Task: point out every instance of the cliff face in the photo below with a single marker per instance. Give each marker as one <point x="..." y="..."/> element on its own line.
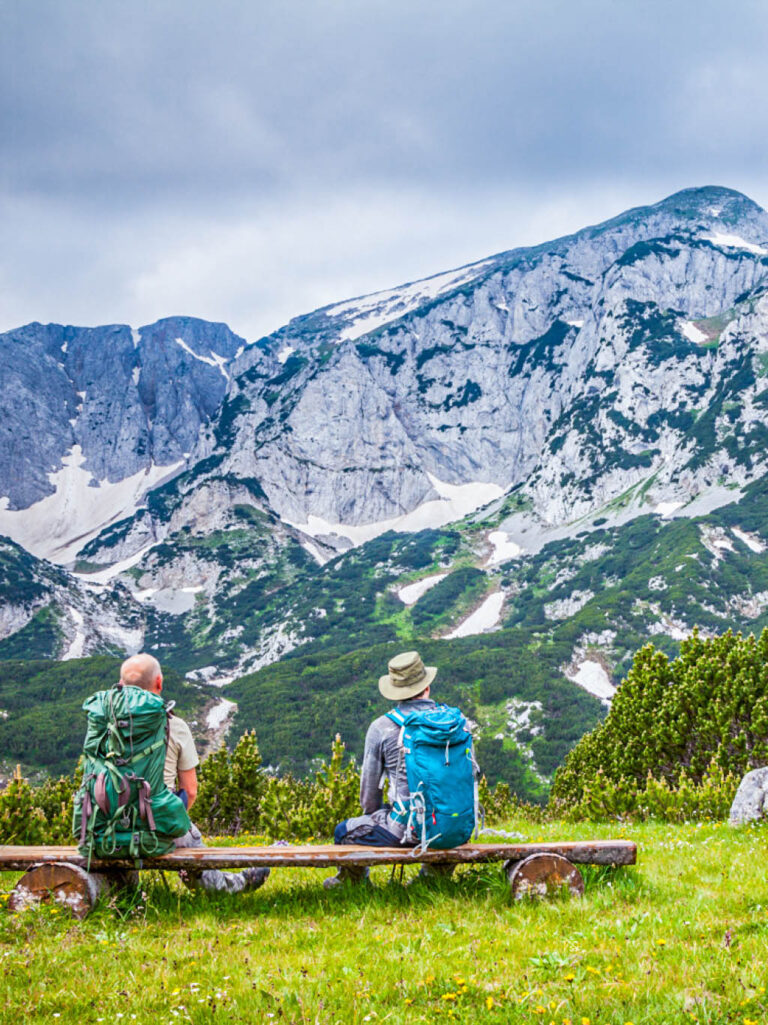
<point x="108" y="410"/>
<point x="574" y="369"/>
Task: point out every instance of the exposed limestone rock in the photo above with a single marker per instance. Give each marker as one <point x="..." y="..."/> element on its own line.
<point x="751" y="801"/>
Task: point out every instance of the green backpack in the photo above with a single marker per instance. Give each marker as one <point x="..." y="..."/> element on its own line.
<point x="123" y="808"/>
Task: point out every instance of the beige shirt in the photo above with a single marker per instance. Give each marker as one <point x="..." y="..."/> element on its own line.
<point x="181" y="753"/>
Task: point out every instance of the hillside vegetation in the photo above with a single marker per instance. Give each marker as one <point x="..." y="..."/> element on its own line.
<point x="42" y="724"/>
<point x="698" y="722"/>
<point x="297" y="705"/>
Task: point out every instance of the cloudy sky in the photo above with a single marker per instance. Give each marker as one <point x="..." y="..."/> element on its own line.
<point x="247" y="161"/>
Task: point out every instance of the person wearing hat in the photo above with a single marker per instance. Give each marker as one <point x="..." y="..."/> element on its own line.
<point x="408" y="683"/>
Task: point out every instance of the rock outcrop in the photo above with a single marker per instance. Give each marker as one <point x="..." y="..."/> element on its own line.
<point x="751" y="801"/>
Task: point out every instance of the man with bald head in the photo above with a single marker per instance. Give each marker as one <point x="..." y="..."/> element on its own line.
<point x="180" y="774"/>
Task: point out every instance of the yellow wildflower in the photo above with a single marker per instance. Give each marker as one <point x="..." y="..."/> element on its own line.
<point x="489" y="1002"/>
<point x="585" y="1021"/>
<point x="449" y="996"/>
<point x="570" y="977"/>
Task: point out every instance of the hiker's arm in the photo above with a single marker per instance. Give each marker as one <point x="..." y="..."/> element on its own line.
<point x="370" y="772"/>
<point x="188" y="782"/>
<point x="183" y="752"/>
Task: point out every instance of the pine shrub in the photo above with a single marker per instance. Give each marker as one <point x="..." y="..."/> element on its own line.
<point x="231" y="787"/>
<point x="679" y="736"/>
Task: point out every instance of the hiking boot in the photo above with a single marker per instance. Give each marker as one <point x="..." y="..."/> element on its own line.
<point x="254" y="877"/>
<point x="351" y="876"/>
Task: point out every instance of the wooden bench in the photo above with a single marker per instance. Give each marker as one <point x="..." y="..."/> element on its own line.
<point x="533" y="869"/>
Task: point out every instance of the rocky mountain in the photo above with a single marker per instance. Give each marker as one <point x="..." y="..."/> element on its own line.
<point x="91" y="418"/>
<point x="570" y="370"/>
<point x="564" y="441"/>
<point x="46" y="612"/>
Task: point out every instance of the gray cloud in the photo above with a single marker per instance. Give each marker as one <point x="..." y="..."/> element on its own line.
<point x="249" y="161"/>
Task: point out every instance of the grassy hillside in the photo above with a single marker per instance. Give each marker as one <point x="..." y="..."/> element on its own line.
<point x="681" y="938"/>
<point x="601" y="594"/>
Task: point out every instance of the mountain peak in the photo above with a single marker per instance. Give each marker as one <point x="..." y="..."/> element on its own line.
<point x="708" y="201"/>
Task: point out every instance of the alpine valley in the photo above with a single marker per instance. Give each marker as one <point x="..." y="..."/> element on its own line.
<point x="527" y="467"/>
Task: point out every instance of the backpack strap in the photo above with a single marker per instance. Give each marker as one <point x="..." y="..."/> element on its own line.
<point x="169" y="707"/>
<point x="396" y="716"/>
<point x="401" y="810"/>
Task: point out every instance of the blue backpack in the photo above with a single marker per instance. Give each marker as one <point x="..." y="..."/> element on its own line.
<point x="440" y="767"/>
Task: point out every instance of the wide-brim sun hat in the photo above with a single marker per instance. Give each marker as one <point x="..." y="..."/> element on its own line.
<point x="407" y="677"/>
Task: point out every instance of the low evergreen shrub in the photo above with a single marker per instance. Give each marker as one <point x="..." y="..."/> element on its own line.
<point x="679" y="736"/>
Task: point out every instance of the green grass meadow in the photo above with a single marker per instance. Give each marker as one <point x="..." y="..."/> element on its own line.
<point x="681" y="937"/>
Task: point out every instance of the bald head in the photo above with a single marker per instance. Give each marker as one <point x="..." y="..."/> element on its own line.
<point x="142" y="671"/>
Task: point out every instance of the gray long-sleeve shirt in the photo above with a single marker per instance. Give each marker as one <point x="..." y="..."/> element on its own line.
<point x="382" y="759"/>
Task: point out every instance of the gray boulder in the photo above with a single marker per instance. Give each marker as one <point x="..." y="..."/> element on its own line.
<point x="751" y="801"/>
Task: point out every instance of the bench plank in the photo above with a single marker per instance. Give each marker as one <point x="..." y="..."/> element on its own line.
<point x="595" y="852"/>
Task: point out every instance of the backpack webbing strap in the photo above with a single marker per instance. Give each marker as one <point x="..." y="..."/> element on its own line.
<point x="136" y="755"/>
<point x="145" y="804"/>
<point x="86" y="813"/>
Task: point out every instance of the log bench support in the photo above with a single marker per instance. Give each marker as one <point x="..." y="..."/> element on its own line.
<point x="70" y="886"/>
<point x="544" y="875"/>
<point x="533" y="870"/>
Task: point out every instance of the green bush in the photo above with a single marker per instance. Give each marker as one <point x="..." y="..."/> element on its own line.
<point x="22" y="821"/>
<point x="231" y="787"/>
<point x="679" y="736"/>
<point x="300" y="809"/>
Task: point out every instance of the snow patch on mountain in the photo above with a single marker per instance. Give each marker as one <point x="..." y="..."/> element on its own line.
<point x="77" y="646"/>
<point x="219" y="713"/>
<point x="715" y="540"/>
<point x="47" y="528"/>
<point x="722" y="239"/>
<point x="752" y="541"/>
<point x="372" y="311"/>
<point x="315" y="552"/>
<point x="455" y="502"/>
<point x="483" y="619"/>
<point x="214" y="360"/>
<point x="590" y="674"/>
<point x="411" y="593"/>
<point x="103" y="576"/>
<point x="667" y="509"/>
<point x="693" y="334"/>
<point x="504" y="548"/>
